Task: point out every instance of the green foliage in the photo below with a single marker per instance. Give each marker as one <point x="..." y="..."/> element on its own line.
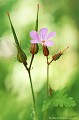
<point x="60" y="98"/>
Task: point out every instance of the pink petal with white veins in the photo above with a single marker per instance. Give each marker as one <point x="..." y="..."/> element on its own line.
<point x="35" y="41"/>
<point x="43" y="33"/>
<point x="51" y="34"/>
<point x="49" y="43"/>
<point x="34" y="35"/>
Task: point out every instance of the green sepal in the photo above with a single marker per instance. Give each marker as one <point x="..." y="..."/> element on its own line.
<point x="21" y="56"/>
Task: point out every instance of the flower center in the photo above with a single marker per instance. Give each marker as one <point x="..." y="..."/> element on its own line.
<point x="43" y="41"/>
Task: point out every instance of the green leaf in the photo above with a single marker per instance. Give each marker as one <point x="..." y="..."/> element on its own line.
<point x="59" y="99"/>
<point x="63" y="100"/>
<point x="36" y="26"/>
<point x="13" y="31"/>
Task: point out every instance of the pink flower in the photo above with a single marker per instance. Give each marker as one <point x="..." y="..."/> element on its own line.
<point x="42" y="37"/>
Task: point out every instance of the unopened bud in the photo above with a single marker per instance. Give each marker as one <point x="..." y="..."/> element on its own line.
<point x="56" y="56"/>
<point x="21" y="56"/>
<point x="45" y="51"/>
<point x="34" y="48"/>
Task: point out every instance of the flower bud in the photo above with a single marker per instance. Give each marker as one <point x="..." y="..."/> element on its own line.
<point x="21" y="56"/>
<point x="45" y="50"/>
<point x="56" y="56"/>
<point x="34" y="48"/>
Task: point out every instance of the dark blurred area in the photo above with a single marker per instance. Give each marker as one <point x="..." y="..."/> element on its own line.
<point x="61" y="16"/>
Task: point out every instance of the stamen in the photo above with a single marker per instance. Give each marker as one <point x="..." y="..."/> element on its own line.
<point x="43" y="41"/>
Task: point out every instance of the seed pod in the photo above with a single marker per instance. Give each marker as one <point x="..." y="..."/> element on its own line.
<point x="21" y="56"/>
<point x="34" y="48"/>
<point x="45" y="50"/>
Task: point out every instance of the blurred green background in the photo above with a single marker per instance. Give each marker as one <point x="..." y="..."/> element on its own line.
<point x="61" y="16"/>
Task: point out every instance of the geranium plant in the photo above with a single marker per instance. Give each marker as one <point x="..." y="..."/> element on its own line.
<point x="57" y="98"/>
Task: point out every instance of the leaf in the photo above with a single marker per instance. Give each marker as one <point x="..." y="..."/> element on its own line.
<point x="13" y="31"/>
<point x="36" y="26"/>
<point x="70" y="102"/>
<point x="59" y="99"/>
<point x="63" y="100"/>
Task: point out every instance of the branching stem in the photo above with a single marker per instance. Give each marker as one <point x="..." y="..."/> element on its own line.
<point x="33" y="96"/>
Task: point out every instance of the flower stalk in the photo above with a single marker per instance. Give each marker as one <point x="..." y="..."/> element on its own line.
<point x="34" y="103"/>
<point x="33" y="50"/>
<point x="54" y="58"/>
<point x="47" y="77"/>
<point x="33" y="96"/>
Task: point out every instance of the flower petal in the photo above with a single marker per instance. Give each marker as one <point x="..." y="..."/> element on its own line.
<point x="35" y="41"/>
<point x="51" y="34"/>
<point x="34" y="35"/>
<point x="49" y="43"/>
<point x="43" y="33"/>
